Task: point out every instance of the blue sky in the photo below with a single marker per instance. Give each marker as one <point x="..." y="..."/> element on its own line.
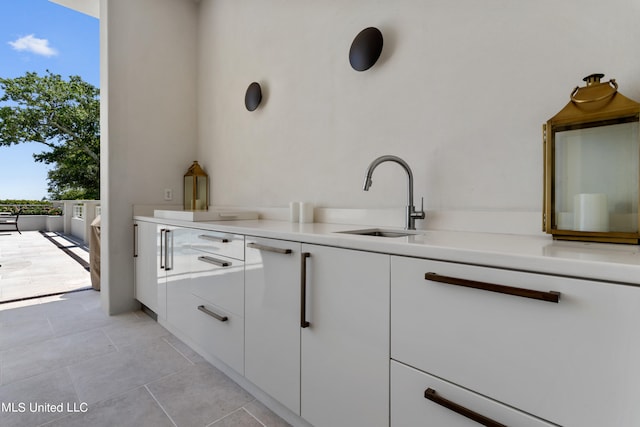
<point x="38" y="35"/>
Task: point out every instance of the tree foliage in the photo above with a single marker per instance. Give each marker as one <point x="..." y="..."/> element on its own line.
<point x="63" y="115"/>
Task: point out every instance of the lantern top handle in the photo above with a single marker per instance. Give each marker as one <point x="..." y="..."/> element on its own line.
<point x="594" y="80"/>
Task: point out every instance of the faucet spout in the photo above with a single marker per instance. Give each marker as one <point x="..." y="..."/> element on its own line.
<point x="412" y="214"/>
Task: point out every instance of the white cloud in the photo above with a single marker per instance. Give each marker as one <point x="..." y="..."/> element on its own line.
<point x="34" y="45"/>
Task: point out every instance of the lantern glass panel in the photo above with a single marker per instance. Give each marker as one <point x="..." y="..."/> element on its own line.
<point x="596" y="176"/>
<point x="201" y="193"/>
<point x="188" y="193"/>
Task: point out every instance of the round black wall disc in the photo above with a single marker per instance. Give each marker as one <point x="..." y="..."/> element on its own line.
<point x="253" y="96"/>
<point x="365" y="49"/>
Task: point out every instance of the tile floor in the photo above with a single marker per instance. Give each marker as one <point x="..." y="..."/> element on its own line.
<point x="32" y="265"/>
<point x="63" y="353"/>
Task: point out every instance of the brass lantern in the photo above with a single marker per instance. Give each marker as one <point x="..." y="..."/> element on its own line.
<point x="196" y="189"/>
<point x="591" y="173"/>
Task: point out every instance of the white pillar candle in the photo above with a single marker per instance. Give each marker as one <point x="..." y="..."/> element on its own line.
<point x="590" y="212"/>
<point x="294" y="211"/>
<point x="306" y="212"/>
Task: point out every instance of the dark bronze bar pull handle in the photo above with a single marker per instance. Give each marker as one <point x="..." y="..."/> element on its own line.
<point x="550" y="296"/>
<point x="213" y="238"/>
<point x="166" y="250"/>
<point x="268" y="248"/>
<point x="216" y="316"/>
<point x="162" y="252"/>
<point x="303" y="290"/>
<point x="135" y="240"/>
<point x="465" y="412"/>
<point x="214" y="261"/>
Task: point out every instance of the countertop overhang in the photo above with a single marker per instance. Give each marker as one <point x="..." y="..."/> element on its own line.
<point x="539" y="254"/>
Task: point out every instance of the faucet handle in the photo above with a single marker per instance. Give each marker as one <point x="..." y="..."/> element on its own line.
<point x="418" y="214"/>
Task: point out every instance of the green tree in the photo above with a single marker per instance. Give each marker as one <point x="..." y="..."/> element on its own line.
<point x="64" y="115"/>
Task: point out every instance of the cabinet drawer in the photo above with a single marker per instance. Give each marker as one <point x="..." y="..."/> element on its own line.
<point x="214" y="242"/>
<point x="548" y="359"/>
<point x="221" y="338"/>
<point x="410" y="407"/>
<point x="218" y="280"/>
<point x="214" y="330"/>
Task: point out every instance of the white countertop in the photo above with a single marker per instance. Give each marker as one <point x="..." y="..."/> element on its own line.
<point x="542" y="254"/>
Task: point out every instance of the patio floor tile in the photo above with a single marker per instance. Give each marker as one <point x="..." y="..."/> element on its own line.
<point x="31" y="265"/>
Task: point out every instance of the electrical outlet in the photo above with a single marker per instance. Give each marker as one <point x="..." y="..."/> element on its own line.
<point x="168" y="194"/>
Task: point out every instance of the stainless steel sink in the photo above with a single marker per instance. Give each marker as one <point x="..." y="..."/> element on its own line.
<point x="379" y="232"/>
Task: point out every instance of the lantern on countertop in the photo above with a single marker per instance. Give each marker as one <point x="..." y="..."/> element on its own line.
<point x="591" y="166"/>
<point x="196" y="189"/>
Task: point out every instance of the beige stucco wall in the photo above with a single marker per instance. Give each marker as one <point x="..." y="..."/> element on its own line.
<point x="148" y="122"/>
<point x="460" y="92"/>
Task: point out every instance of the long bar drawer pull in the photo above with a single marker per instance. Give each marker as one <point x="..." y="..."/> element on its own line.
<point x="162" y="248"/>
<point x="216" y="316"/>
<point x="168" y="240"/>
<point x="135" y="240"/>
<point x="268" y="248"/>
<point x="214" y="238"/>
<point x="550" y="296"/>
<point x="465" y="412"/>
<point x="214" y="261"/>
<point x="303" y="290"/>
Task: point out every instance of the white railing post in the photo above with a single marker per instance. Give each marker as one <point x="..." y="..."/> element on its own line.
<point x="68" y="214"/>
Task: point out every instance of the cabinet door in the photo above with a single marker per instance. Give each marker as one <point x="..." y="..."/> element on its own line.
<point x="272" y="318"/>
<point x="345" y="347"/>
<point x="173" y="261"/>
<point x="145" y="254"/>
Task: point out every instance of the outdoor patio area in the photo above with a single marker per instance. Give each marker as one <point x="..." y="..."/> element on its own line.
<point x="36" y="263"/>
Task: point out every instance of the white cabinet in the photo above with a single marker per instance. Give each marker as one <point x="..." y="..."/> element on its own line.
<point x="217" y="287"/>
<point x="573" y="363"/>
<point x="173" y="261"/>
<point x="347" y="337"/>
<point x="217" y="275"/>
<point x="145" y="241"/>
<point x="317" y="330"/>
<point x="211" y="329"/>
<point x="345" y="345"/>
<point x="205" y="292"/>
<point x="272" y="318"/>
<point x="216" y="242"/>
<point x="419" y="399"/>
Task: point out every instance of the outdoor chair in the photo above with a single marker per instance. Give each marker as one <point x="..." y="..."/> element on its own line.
<point x="10" y="220"/>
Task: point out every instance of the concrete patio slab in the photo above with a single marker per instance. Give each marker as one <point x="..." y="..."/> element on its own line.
<point x="34" y="264"/>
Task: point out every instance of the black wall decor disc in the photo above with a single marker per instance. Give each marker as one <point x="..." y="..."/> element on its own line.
<point x="365" y="49"/>
<point x="253" y="96"/>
